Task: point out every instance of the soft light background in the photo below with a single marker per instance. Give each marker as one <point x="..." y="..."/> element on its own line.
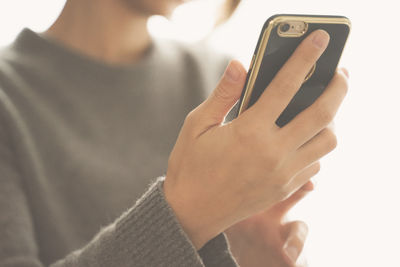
<point x="354" y="213"/>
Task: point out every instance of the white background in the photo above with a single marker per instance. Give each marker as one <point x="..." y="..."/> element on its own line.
<point x="354" y="213"/>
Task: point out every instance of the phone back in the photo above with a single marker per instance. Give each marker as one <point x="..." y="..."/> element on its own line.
<point x="277" y="51"/>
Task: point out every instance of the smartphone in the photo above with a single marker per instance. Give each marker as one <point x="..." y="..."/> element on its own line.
<point x="280" y="36"/>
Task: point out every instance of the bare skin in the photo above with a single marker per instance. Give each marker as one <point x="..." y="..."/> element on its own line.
<point x="219" y="175"/>
<point x="104" y="30"/>
<point x="267" y="237"/>
<point x="115" y="32"/>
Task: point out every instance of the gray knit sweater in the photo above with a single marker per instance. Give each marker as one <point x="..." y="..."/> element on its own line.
<point x="83" y="150"/>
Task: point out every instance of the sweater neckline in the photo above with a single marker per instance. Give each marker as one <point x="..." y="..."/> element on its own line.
<point x="38" y="45"/>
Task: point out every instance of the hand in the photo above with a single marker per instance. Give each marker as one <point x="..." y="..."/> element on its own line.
<point x="265" y="239"/>
<point x="220" y="174"/>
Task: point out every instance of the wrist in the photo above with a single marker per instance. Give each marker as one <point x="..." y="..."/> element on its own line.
<point x="192" y="214"/>
<point x="235" y="240"/>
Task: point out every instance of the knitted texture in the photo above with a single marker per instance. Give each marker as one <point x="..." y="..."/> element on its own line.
<point x="81" y="146"/>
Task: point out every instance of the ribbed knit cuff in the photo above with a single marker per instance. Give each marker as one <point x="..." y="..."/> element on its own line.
<point x="151" y="231"/>
<point x="154" y="233"/>
<point x="216" y="253"/>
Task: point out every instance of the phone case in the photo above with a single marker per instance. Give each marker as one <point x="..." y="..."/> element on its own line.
<point x="272" y="52"/>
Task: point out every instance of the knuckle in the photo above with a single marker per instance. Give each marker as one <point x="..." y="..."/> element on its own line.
<point x="248" y="132"/>
<point x="190" y="117"/>
<point x="285" y="85"/>
<point x="324" y="114"/>
<point x="330" y="140"/>
<point x="340" y="83"/>
<point x="191" y="121"/>
<point x="255" y="140"/>
<point x="314" y="169"/>
<point x="222" y="93"/>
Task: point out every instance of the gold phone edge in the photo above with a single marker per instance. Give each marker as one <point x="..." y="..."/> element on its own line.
<point x="264" y="41"/>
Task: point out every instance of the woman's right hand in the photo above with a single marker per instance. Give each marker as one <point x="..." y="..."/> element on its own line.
<point x="219" y="174"/>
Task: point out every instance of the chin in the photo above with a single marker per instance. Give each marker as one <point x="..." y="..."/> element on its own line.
<point x="154" y="7"/>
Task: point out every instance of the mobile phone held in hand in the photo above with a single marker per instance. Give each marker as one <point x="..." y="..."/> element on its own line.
<point x="280" y="36"/>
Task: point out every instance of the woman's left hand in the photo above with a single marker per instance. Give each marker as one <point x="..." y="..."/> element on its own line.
<point x="264" y="239"/>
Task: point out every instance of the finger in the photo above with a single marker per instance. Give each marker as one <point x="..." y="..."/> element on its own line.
<point x="346" y="72"/>
<point x="295" y="237"/>
<point x="309" y="186"/>
<point x="316" y="117"/>
<point x="281" y="208"/>
<point x="291" y="76"/>
<point x="311" y="152"/>
<point x="304" y="176"/>
<point x="226" y="94"/>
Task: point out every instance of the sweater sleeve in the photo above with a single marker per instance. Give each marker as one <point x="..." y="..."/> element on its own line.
<point x="148" y="234"/>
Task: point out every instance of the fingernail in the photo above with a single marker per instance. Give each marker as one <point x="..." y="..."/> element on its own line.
<point x="321" y="39"/>
<point x="232" y="72"/>
<point x="292" y="253"/>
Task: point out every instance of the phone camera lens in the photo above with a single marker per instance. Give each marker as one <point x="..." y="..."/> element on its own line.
<point x="285" y="27"/>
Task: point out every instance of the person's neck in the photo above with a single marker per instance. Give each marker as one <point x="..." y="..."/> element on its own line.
<point x="102" y="30"/>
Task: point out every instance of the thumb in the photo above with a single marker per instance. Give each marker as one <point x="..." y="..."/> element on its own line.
<point x="294" y="236"/>
<point x="227" y="92"/>
<point x="280" y="209"/>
